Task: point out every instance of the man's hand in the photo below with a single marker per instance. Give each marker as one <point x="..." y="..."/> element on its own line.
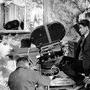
<point x="59" y="59"/>
<point x="86" y="81"/>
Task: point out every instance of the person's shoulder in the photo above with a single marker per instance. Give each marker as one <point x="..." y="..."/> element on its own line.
<point x="33" y="72"/>
<point x="13" y="73"/>
<point x="16" y="71"/>
<point x="12" y="76"/>
<point x="30" y="70"/>
<point x="24" y="71"/>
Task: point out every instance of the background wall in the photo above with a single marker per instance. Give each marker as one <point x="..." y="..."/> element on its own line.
<point x="45" y="11"/>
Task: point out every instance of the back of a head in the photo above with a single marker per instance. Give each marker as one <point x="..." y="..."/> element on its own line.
<point x="22" y="59"/>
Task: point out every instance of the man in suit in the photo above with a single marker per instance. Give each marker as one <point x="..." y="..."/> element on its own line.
<point x="74" y="67"/>
<point x="84" y="54"/>
<point x="25" y="78"/>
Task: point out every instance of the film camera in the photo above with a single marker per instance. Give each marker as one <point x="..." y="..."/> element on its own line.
<point x="49" y="55"/>
<point x="50" y="52"/>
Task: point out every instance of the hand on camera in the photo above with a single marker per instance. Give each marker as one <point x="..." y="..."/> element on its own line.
<point x="86" y="80"/>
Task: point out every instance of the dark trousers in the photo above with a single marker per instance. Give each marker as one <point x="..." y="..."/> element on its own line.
<point x="72" y="67"/>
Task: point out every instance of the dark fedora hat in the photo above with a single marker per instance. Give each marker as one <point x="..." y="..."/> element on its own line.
<point x="84" y="22"/>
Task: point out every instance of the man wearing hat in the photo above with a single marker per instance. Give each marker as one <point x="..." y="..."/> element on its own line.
<point x="74" y="67"/>
<point x="84" y="54"/>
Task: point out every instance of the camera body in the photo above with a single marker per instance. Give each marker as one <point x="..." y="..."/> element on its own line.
<point x="49" y="55"/>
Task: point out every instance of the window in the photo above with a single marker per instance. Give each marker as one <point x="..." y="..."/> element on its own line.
<point x="12" y="15"/>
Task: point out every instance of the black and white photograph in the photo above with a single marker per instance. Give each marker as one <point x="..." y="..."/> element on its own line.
<point x="44" y="44"/>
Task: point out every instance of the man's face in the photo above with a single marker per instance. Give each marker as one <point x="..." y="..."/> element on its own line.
<point x="83" y="29"/>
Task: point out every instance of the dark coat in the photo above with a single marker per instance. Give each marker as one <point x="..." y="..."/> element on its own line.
<point x="26" y="79"/>
<point x="78" y="48"/>
<point x="86" y="54"/>
<point x="73" y="67"/>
